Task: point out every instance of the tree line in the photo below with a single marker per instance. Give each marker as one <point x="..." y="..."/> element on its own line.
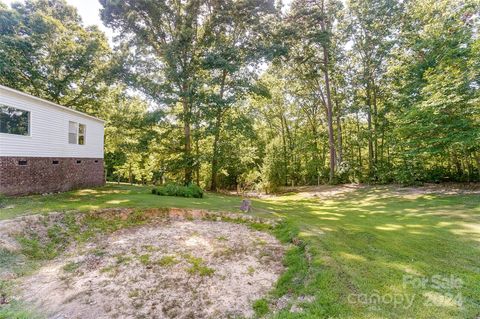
<point x="261" y="94"/>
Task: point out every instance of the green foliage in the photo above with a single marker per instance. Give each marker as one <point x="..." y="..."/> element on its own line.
<point x="274" y="170"/>
<point x="167" y="261"/>
<point x="260" y="307"/>
<point x="198" y="267"/>
<point x="46" y="51"/>
<point x="14" y="310"/>
<point x="144" y="259"/>
<point x="72" y="266"/>
<point x="172" y="189"/>
<point x="232" y="95"/>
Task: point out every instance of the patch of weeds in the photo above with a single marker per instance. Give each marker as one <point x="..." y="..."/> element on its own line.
<point x="225" y="253"/>
<point x="121" y="259"/>
<point x="260" y="242"/>
<point x="94" y="224"/>
<point x="108" y="269"/>
<point x="33" y="248"/>
<point x="72" y="266"/>
<point x="198" y="267"/>
<point x="9" y="261"/>
<point x="250" y="270"/>
<point x="135" y="293"/>
<point x="59" y="236"/>
<point x="15" y="310"/>
<point x="260" y="226"/>
<point x="144" y="259"/>
<point x="98" y="252"/>
<point x="167" y="261"/>
<point x="260" y="307"/>
<point x="150" y="248"/>
<point x="222" y="238"/>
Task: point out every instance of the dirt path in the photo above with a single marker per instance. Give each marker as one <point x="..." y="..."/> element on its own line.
<point x="177" y="269"/>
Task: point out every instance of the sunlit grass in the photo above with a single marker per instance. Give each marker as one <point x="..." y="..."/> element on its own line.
<point x="363" y="242"/>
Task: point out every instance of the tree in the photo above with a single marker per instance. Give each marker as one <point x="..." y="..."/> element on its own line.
<point x="164" y="39"/>
<point x="312" y="27"/>
<point x="46" y="51"/>
<point x="436" y="85"/>
<point x="372" y="25"/>
<point x="234" y="46"/>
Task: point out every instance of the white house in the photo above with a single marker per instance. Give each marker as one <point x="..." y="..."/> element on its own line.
<point x="46" y="147"/>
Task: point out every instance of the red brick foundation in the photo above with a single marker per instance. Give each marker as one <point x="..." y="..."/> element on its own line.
<point x="38" y="175"/>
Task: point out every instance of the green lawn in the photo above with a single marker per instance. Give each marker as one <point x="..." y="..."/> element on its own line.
<point x="369" y="254"/>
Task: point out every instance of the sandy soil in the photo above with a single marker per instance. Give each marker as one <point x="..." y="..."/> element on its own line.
<point x="168" y="269"/>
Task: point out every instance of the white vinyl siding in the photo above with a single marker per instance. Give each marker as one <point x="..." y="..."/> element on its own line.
<point x="49" y="130"/>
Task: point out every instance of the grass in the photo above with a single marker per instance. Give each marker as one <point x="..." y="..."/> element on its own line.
<point x="198" y="267"/>
<point x="166" y="261"/>
<point x="111" y="195"/>
<point x="371" y="253"/>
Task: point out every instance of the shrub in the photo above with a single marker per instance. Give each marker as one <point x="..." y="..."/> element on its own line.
<point x="173" y="189"/>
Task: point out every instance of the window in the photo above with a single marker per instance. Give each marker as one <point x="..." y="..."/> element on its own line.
<point x="76" y="133"/>
<point x="22" y="163"/>
<point x="14" y="121"/>
<point x="81" y="134"/>
<point x="54" y="162"/>
<point x="72" y="132"/>
<point x="78" y="162"/>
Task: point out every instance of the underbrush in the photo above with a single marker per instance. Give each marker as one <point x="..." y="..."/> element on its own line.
<point x="172" y="189"/>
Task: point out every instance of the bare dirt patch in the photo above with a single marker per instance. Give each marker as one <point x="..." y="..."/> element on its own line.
<point x="164" y="269"/>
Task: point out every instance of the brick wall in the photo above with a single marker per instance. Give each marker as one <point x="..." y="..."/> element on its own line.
<point x="40" y="175"/>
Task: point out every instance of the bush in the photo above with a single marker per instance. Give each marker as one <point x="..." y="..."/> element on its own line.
<point x="173" y="189"/>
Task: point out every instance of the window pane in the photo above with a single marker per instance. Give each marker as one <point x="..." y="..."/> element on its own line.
<point x="72" y="127"/>
<point x="72" y="132"/>
<point x="14" y="121"/>
<point x="72" y="138"/>
<point x="81" y="134"/>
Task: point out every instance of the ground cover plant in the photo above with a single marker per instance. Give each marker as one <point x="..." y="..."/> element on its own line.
<point x="173" y="189"/>
<point x="349" y="244"/>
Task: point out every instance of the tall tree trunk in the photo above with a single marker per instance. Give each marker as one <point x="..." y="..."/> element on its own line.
<point x="375" y="124"/>
<point x="188" y="141"/>
<point x="216" y="137"/>
<point x="197" y="154"/>
<point x="284" y="148"/>
<point x="369" y="125"/>
<point x="315" y="152"/>
<point x="477" y="157"/>
<point x="359" y="147"/>
<point x="331" y="134"/>
<point x="339" y="134"/>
